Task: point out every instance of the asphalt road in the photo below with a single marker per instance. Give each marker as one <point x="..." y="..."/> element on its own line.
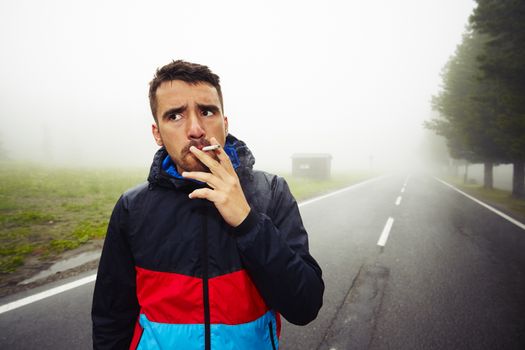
<point x="450" y="275"/>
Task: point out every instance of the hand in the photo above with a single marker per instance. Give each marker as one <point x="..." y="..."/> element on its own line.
<point x="226" y="192"/>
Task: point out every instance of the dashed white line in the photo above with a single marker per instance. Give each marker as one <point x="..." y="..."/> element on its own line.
<point x="386" y="232"/>
<point x="45" y="294"/>
<point x="402" y="190"/>
<point x="505" y="216"/>
<point x="398" y="200"/>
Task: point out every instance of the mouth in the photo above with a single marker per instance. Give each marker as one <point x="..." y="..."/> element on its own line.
<point x="193" y="163"/>
<point x="197" y="144"/>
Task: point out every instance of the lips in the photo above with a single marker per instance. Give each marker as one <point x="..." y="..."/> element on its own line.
<point x="198" y="144"/>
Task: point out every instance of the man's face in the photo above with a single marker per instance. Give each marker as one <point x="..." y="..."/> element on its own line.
<point x="188" y="115"/>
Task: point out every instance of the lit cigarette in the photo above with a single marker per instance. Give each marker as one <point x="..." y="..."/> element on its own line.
<point x="211" y="148"/>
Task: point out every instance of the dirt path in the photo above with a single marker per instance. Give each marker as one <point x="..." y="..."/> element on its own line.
<point x="10" y="283"/>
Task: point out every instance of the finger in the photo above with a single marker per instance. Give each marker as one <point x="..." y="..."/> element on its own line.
<point x="224" y="159"/>
<point x="212" y="180"/>
<point x="204" y="193"/>
<point x="214" y="166"/>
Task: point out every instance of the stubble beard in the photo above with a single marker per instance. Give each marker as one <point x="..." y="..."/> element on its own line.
<point x="188" y="162"/>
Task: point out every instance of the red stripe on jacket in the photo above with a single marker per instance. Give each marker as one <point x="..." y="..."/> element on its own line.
<point x="234" y="299"/>
<point x="168" y="297"/>
<point x="137" y="334"/>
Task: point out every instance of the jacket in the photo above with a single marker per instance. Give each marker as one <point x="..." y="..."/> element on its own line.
<point x="174" y="275"/>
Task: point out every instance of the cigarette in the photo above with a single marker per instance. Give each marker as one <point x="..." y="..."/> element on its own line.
<point x="211" y="148"/>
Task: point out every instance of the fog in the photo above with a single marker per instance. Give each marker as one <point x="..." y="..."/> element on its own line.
<point x="349" y="78"/>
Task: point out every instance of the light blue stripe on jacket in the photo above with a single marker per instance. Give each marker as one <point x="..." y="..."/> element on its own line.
<point x="255" y="335"/>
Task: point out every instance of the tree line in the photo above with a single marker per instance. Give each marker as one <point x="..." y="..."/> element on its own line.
<point x="482" y="101"/>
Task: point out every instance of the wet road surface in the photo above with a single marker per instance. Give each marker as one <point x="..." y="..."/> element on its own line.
<point x="447" y="274"/>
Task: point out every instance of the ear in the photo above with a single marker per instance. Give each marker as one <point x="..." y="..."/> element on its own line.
<point x="225" y="125"/>
<point x="156" y="134"/>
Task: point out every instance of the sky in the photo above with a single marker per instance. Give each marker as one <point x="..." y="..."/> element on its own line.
<point x="349" y="78"/>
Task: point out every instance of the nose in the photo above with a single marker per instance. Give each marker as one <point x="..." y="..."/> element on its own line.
<point x="195" y="128"/>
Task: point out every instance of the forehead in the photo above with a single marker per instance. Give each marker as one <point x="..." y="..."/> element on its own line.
<point x="178" y="93"/>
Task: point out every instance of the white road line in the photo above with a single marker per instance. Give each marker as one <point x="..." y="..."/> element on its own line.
<point x="406" y="180"/>
<point x="386" y="232"/>
<point x="402" y="190"/>
<point x="398" y="200"/>
<point x="48" y="293"/>
<point x="45" y="294"/>
<point x="505" y="216"/>
<point x="309" y="201"/>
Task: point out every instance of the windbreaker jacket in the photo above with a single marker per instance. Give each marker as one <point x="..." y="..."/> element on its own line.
<point x="174" y="275"/>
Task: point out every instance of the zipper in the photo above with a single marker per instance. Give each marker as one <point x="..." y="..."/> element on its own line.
<point x="271" y="335"/>
<point x="205" y="276"/>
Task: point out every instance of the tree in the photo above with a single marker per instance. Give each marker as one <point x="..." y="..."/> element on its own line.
<point x="503" y="65"/>
<point x="466" y="105"/>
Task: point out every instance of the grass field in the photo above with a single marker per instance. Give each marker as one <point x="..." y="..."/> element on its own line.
<point x="303" y="188"/>
<point x="495" y="197"/>
<point x="45" y="211"/>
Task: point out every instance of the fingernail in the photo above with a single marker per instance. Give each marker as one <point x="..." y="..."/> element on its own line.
<point x="189" y="196"/>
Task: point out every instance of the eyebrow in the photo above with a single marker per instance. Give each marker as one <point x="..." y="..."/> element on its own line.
<point x="174" y="110"/>
<point x="210" y="107"/>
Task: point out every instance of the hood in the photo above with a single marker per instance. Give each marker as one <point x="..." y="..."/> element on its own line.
<point x="239" y="154"/>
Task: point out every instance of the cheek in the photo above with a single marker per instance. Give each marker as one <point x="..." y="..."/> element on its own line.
<point x="177" y="146"/>
<point x="219" y="129"/>
<point x="169" y="139"/>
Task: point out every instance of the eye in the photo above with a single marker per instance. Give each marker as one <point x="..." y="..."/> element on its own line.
<point x="175" y="116"/>
<point x="207" y="113"/>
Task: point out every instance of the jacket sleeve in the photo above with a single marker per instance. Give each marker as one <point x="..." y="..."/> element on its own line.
<point x="275" y="252"/>
<point x="115" y="307"/>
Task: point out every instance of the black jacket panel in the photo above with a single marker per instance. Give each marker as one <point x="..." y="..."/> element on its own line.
<point x="274" y="248"/>
<point x="115" y="307"/>
<point x="157" y="227"/>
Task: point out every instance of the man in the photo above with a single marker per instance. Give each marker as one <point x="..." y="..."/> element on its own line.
<point x="209" y="252"/>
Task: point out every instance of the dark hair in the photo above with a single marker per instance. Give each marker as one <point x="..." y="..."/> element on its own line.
<point x="188" y="72"/>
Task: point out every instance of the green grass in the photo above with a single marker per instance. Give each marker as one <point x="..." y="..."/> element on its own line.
<point x="303" y="188"/>
<point x="45" y="211"/>
<point x="25" y="217"/>
<point x="496" y="197"/>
